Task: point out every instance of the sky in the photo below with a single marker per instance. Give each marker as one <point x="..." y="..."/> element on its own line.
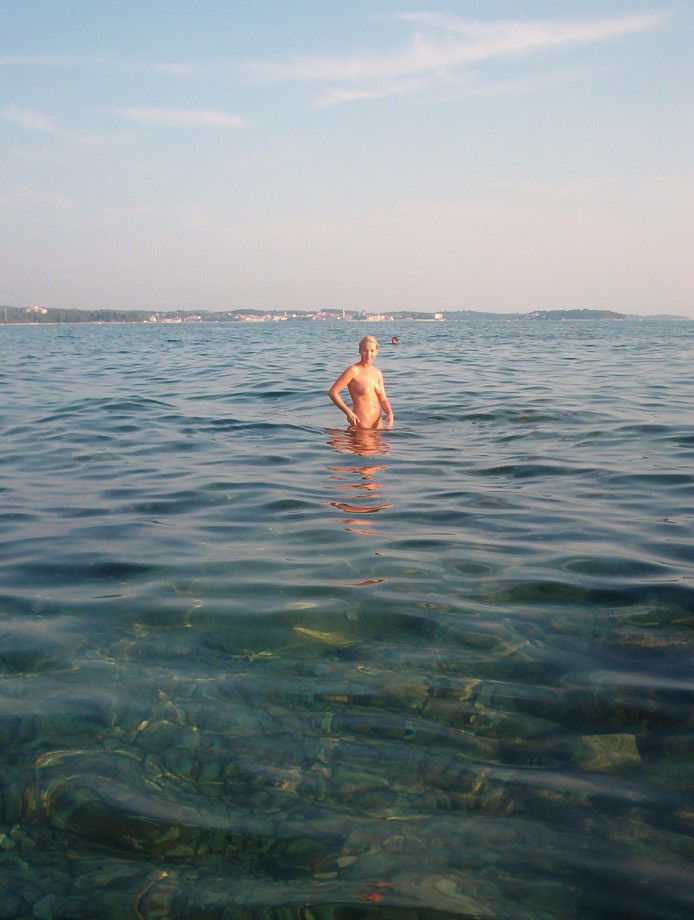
<point x="373" y="155"/>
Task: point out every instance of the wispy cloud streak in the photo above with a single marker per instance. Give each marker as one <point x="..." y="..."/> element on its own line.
<point x="29" y="119"/>
<point x="108" y="63"/>
<point x="183" y="118"/>
<point x="440" y="48"/>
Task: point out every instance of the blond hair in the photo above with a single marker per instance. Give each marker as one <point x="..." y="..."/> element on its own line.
<point x="368" y="338"/>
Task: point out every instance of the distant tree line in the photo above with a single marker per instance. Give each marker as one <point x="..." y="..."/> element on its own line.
<point x="575" y="314"/>
<point x="16" y="315"/>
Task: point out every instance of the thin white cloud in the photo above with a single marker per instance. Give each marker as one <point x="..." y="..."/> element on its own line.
<point x="111" y="64"/>
<point x="380" y="90"/>
<point x="183" y="118"/>
<point x="37" y="200"/>
<point x="35" y="60"/>
<point x="441" y="46"/>
<point x="457" y="40"/>
<point x="29" y="119"/>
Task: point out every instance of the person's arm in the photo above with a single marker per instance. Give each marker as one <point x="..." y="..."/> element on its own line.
<point x="334" y="393"/>
<point x="385" y="404"/>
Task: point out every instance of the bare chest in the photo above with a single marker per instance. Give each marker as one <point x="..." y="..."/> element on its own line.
<point x="364" y="383"/>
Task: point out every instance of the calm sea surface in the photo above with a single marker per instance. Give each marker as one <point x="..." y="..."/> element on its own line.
<point x="255" y="666"/>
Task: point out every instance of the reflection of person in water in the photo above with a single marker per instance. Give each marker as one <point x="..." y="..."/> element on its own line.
<point x="364" y="443"/>
<point x="366" y="388"/>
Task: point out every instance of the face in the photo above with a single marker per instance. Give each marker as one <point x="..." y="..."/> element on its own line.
<point x="368" y="349"/>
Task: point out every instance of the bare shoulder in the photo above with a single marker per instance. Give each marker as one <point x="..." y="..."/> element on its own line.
<point x="346" y="376"/>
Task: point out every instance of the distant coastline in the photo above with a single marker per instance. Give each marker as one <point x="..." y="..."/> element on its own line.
<point x="13" y="316"/>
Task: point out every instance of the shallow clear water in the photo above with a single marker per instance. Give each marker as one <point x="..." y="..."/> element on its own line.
<point x="254" y="665"/>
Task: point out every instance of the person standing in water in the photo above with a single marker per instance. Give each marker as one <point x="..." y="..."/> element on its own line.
<point x="365" y="384"/>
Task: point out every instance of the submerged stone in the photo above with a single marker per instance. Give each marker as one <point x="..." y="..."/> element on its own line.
<point x="604" y="753"/>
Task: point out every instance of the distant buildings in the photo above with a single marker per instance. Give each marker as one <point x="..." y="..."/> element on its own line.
<point x="163" y="318"/>
<point x="327" y="315"/>
<point x="260" y="316"/>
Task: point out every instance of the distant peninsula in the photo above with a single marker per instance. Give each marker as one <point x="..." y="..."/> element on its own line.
<point x="47" y="315"/>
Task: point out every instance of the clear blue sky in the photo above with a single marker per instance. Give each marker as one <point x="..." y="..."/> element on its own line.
<point x="368" y="154"/>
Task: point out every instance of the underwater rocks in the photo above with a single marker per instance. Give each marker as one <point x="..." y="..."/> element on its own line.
<point x="603" y="753"/>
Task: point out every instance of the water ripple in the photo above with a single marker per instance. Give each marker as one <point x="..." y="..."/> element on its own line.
<point x="254" y="665"/>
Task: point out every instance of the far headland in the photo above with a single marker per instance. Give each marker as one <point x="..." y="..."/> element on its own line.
<point x="36" y="315"/>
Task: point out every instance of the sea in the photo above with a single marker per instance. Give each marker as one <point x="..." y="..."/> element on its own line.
<point x="254" y="664"/>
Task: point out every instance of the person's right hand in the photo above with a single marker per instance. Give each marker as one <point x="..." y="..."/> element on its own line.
<point x="353" y="419"/>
